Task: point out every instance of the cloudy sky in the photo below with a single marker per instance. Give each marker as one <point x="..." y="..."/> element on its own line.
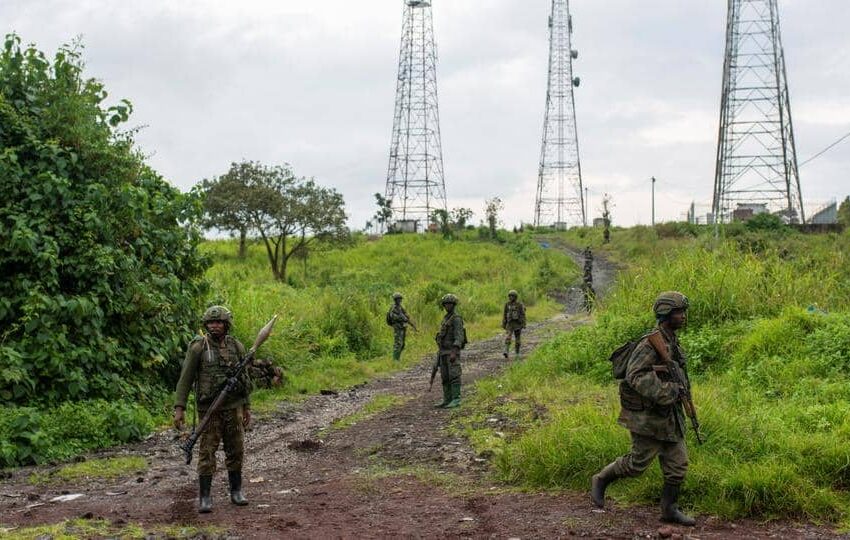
<point x="312" y="83"/>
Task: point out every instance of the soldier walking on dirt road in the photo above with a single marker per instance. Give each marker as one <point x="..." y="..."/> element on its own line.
<point x="450" y="339"/>
<point x="209" y="360"/>
<point x="652" y="411"/>
<point x="513" y="322"/>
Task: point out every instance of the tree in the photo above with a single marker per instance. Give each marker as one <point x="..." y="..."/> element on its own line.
<point x="491" y="211"/>
<point x="461" y="216"/>
<point x="102" y="277"/>
<point x="844" y="212"/>
<point x="228" y="199"/>
<point x="385" y="211"/>
<point x="441" y="218"/>
<point x="290" y="214"/>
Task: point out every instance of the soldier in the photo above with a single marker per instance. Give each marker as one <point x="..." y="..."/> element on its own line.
<point x="513" y="321"/>
<point x="398" y="318"/>
<point x="587" y="280"/>
<point x="450" y="339"/>
<point x="208" y="361"/>
<point x="652" y="412"/>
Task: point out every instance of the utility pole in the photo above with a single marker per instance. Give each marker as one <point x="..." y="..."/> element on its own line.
<point x="587" y="211"/>
<point x="653" y="201"/>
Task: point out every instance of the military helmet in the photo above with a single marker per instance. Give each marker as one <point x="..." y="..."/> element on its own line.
<point x="449" y="299"/>
<point x="669" y="301"/>
<point x="512" y="293"/>
<point x="397" y="296"/>
<point x="217" y="313"/>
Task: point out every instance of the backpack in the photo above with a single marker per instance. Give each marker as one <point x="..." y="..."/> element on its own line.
<point x="390" y="317"/>
<point x="620" y="358"/>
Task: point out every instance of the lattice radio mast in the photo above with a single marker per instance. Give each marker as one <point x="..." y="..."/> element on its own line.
<point x="756" y="155"/>
<point x="560" y="197"/>
<point x="415" y="183"/>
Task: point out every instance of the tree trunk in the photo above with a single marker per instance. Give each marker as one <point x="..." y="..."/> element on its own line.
<point x="243" y="248"/>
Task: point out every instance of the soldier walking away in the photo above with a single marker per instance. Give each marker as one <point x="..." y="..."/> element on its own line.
<point x="513" y="322"/>
<point x="652" y="411"/>
<point x="450" y="339"/>
<point x="208" y="361"/>
<point x="587" y="280"/>
<point x="398" y="318"/>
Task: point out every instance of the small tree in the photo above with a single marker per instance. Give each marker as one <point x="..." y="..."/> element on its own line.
<point x="844" y="212"/>
<point x="460" y="217"/>
<point x="384" y="213"/>
<point x="441" y="218"/>
<point x="491" y="211"/>
<point x="228" y="200"/>
<point x="606" y="218"/>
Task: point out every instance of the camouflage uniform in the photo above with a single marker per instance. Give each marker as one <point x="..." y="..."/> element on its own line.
<point x="450" y="339"/>
<point x="651" y="409"/>
<point x="264" y="374"/>
<point x="587" y="280"/>
<point x="207" y="366"/>
<point x="513" y="322"/>
<point x="398" y="318"/>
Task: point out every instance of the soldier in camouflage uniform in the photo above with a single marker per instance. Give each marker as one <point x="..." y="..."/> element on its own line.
<point x="450" y="339"/>
<point x="207" y="365"/>
<point x="513" y="322"/>
<point x="652" y="412"/>
<point x="398" y="318"/>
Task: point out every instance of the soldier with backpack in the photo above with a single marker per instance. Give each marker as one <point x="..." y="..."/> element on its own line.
<point x="450" y="339"/>
<point x="653" y="388"/>
<point x="513" y="321"/>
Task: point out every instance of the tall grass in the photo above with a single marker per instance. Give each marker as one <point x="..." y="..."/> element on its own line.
<point x="769" y="353"/>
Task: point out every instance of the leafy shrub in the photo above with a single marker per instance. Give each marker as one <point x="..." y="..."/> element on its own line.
<point x="99" y="254"/>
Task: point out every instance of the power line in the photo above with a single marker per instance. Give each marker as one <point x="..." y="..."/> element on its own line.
<point x="825" y="150"/>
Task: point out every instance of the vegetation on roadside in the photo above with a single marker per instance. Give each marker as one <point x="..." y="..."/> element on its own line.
<point x="74" y="529"/>
<point x="769" y="353"/>
<point x="101" y="469"/>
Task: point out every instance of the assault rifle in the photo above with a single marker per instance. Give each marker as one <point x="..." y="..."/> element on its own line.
<point x="229" y="386"/>
<point x="434" y="369"/>
<point x="660" y="346"/>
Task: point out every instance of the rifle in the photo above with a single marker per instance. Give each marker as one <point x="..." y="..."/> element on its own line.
<point x="229" y="386"/>
<point x="660" y="346"/>
<point x="412" y="325"/>
<point x="434" y="369"/>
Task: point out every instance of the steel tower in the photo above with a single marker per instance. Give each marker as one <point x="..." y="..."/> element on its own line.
<point x="415" y="183"/>
<point x="756" y="155"/>
<point x="560" y="197"/>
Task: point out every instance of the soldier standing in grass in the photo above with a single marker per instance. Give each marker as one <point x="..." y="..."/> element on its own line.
<point x="209" y="360"/>
<point x="450" y="339"/>
<point x="398" y="318"/>
<point x="652" y="412"/>
<point x="513" y="322"/>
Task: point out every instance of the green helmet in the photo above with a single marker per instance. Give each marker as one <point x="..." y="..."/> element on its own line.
<point x="669" y="301"/>
<point x="217" y="313"/>
<point x="449" y="299"/>
<point x="513" y="293"/>
<point x="397" y="296"/>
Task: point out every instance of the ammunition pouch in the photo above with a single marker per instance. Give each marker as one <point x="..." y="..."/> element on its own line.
<point x="631" y="400"/>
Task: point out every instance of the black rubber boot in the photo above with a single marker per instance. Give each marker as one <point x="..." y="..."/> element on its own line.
<point x="447" y="397"/>
<point x="600" y="482"/>
<point x="455" y="393"/>
<point x="507" y="349"/>
<point x="670" y="512"/>
<point x="204" y="497"/>
<point x="235" y="479"/>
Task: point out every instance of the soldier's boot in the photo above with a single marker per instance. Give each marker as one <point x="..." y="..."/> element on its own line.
<point x="670" y="511"/>
<point x="396" y="356"/>
<point x="455" y="393"/>
<point x="447" y="397"/>
<point x="517" y="356"/>
<point x="507" y="349"/>
<point x="204" y="497"/>
<point x="236" y="497"/>
<point x="600" y="482"/>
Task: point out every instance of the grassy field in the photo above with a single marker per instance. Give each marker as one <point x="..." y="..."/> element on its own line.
<point x="769" y="354"/>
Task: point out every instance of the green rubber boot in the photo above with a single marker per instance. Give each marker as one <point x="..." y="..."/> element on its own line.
<point x="447" y="397"/>
<point x="455" y="393"/>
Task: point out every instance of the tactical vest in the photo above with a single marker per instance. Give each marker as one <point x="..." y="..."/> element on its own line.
<point x="214" y="368"/>
<point x="514" y="313"/>
<point x="445" y="337"/>
<point x="631" y="400"/>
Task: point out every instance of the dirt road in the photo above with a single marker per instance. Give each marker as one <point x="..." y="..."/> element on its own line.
<point x="399" y="473"/>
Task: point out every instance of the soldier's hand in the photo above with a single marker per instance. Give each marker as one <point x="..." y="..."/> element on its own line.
<point x="179" y="415"/>
<point x="246" y="417"/>
<point x="453" y="355"/>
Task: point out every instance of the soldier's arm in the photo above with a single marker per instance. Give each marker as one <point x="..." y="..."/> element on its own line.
<point x="505" y="316"/>
<point x="642" y="377"/>
<point x="522" y="314"/>
<point x="188" y="372"/>
<point x="457" y="327"/>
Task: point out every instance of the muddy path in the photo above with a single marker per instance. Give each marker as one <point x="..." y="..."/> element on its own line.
<point x="400" y="473"/>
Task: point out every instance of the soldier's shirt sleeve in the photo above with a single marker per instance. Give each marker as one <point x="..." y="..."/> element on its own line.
<point x="522" y="314"/>
<point x="188" y="372"/>
<point x="645" y="381"/>
<point x="458" y="332"/>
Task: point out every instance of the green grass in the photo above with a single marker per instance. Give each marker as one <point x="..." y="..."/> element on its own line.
<point x="105" y="469"/>
<point x="769" y="353"/>
<point x="80" y="529"/>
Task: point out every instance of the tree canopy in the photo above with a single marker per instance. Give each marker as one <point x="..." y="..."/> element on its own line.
<point x="101" y="272"/>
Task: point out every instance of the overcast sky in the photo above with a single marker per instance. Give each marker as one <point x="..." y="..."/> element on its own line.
<point x="312" y="83"/>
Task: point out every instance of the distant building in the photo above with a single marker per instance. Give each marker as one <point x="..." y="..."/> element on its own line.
<point x="826" y="215"/>
<point x="745" y="211"/>
<point x="598" y="222"/>
<point x="406" y="225"/>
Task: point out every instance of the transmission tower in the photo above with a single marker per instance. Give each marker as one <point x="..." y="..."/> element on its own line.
<point x="756" y="155"/>
<point x="415" y="183"/>
<point x="560" y="198"/>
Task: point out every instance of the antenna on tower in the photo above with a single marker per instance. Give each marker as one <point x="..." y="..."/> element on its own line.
<point x="415" y="183"/>
<point x="757" y="167"/>
<point x="560" y="197"/>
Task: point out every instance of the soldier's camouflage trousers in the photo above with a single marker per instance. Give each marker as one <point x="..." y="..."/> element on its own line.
<point x="399" y="333"/>
<point x="450" y="372"/>
<point x="514" y="332"/>
<point x="673" y="457"/>
<point x="224" y="426"/>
